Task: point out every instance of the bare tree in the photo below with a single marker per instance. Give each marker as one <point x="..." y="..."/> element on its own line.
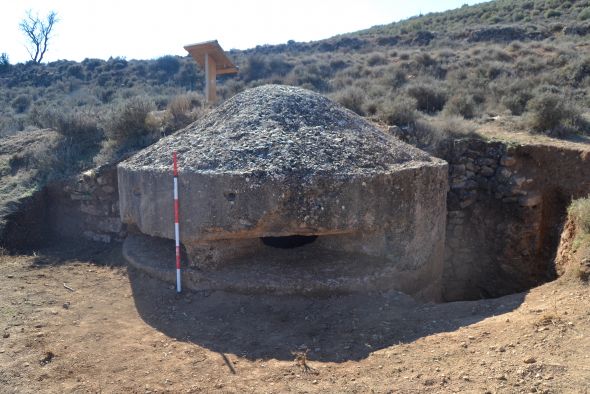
<point x="38" y="32"/>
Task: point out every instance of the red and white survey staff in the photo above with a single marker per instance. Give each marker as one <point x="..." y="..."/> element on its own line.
<point x="176" y="225"/>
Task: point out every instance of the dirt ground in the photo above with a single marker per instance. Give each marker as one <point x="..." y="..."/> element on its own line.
<point x="72" y="324"/>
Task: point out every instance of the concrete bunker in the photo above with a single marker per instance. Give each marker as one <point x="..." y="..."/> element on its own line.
<point x="281" y="190"/>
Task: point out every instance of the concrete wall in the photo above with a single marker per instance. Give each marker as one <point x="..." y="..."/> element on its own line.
<point x="397" y="216"/>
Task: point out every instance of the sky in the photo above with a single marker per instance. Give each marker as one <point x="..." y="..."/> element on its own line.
<point x="150" y="29"/>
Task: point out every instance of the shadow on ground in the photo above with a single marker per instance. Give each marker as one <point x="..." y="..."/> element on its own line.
<point x="337" y="328"/>
<point x="333" y="329"/>
<point x="61" y="251"/>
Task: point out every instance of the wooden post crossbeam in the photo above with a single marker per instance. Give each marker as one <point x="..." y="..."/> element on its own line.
<point x="210" y="56"/>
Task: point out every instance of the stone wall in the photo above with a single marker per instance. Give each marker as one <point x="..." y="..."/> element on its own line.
<point x="88" y="206"/>
<point x="506" y="205"/>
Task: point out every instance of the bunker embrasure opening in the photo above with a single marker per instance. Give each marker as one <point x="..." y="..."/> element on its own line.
<point x="288" y="242"/>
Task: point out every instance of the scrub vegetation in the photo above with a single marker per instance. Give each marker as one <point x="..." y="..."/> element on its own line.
<point x="527" y="61"/>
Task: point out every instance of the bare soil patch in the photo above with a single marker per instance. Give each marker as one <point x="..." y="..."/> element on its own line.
<point x="87" y="324"/>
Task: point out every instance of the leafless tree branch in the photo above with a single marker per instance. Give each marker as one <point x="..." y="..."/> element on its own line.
<point x="38" y="33"/>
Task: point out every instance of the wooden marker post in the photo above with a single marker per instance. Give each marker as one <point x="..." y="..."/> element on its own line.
<point x="211" y="57"/>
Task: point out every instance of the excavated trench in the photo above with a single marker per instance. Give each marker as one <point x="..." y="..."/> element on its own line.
<point x="506" y="208"/>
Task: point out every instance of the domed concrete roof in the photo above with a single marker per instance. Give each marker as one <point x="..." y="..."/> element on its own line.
<point x="279" y="164"/>
<point x="276" y="129"/>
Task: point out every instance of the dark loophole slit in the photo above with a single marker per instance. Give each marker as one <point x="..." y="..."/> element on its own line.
<point x="289" y="242"/>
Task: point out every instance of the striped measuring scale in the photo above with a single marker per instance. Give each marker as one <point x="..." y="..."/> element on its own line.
<point x="176" y="225"/>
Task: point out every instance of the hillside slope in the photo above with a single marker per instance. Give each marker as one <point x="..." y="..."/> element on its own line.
<point x="526" y="61"/>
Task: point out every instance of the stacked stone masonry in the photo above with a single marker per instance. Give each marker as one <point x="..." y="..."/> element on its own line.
<point x="505" y="207"/>
<point x="95" y="196"/>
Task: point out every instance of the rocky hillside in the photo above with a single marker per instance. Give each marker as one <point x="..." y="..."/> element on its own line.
<point x="524" y="62"/>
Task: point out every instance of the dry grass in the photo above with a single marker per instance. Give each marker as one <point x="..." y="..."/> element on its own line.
<point x="548" y="319"/>
<point x="183" y="110"/>
<point x="579" y="211"/>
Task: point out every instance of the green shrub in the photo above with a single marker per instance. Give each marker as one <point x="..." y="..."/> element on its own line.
<point x="105" y="95"/>
<point x="338" y="64"/>
<point x="400" y="111"/>
<point x="371" y="108"/>
<point x="21" y="103"/>
<point x="461" y="105"/>
<point x="552" y="14"/>
<point x="423" y="59"/>
<point x="189" y="77"/>
<point x="310" y="76"/>
<point x="584" y="14"/>
<point x="430" y="96"/>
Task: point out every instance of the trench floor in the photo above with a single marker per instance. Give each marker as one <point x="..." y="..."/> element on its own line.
<point x="74" y="318"/>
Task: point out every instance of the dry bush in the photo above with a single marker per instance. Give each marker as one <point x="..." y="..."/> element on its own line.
<point x="352" y="98"/>
<point x="551" y="112"/>
<point x="21" y="103"/>
<point x="516" y="98"/>
<point x="184" y="103"/>
<point x="579" y="70"/>
<point x="430" y="95"/>
<point x="127" y="124"/>
<point x="400" y="111"/>
<point x="579" y="211"/>
<point x="394" y="77"/>
<point x="80" y="126"/>
<point x="184" y="109"/>
<point x="432" y="133"/>
<point x="376" y="59"/>
<point x="453" y="126"/>
<point x="179" y="106"/>
<point x="130" y="126"/>
<point x="461" y="104"/>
